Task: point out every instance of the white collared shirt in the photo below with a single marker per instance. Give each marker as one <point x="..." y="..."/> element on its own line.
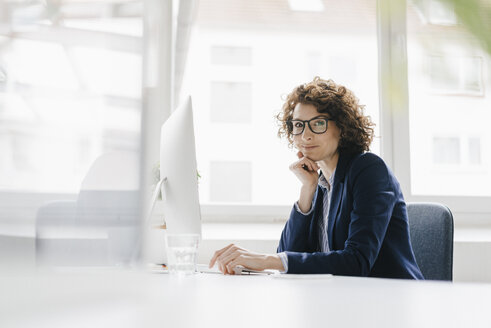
<point x="323" y="224"/>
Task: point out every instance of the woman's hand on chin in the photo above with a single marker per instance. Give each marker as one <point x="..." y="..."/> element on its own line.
<point x="306" y="170"/>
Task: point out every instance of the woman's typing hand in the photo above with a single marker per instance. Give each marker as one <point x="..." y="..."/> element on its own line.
<point x="232" y="256"/>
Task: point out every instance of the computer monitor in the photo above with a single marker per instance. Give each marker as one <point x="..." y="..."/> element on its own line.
<point x="178" y="172"/>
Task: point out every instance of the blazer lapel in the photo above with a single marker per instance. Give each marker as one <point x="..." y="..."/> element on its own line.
<point x="337" y="192"/>
<point x="333" y="210"/>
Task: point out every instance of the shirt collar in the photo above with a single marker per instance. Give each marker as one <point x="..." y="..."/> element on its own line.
<point x="324" y="183"/>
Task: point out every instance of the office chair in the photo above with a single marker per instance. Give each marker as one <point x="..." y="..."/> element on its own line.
<point x="98" y="228"/>
<point x="431" y="230"/>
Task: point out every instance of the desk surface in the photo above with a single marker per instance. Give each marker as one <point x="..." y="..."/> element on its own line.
<point x="138" y="299"/>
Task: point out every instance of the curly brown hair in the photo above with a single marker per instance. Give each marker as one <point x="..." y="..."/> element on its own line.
<point x="340" y="104"/>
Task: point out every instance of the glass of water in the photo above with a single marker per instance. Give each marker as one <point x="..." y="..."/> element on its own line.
<point x="182" y="252"/>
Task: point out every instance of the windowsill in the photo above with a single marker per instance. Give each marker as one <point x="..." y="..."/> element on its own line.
<point x="472" y="234"/>
<point x="252" y="231"/>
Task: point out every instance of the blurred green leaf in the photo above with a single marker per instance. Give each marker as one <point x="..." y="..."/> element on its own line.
<point x="475" y="16"/>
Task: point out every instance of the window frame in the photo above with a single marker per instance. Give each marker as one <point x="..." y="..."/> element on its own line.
<point x="394" y="116"/>
<point x="395" y="147"/>
<point x="467" y="210"/>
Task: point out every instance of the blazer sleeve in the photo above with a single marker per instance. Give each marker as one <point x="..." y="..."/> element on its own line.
<point x="295" y="235"/>
<point x="373" y="201"/>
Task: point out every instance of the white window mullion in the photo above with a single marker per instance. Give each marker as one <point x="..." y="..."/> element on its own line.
<point x="393" y="90"/>
<point x="157" y="93"/>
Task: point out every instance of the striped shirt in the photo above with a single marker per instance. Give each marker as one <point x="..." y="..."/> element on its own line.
<point x="323" y="237"/>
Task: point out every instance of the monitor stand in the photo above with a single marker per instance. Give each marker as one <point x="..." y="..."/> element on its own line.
<point x="139" y="244"/>
<point x="155" y="195"/>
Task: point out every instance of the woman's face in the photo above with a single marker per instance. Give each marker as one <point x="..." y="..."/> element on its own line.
<point x="317" y="147"/>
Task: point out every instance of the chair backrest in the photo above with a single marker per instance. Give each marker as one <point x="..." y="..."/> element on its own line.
<point x="431" y="230"/>
<point x="109" y="193"/>
<point x="116" y="170"/>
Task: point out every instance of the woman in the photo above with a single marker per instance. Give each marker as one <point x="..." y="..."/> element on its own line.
<point x="351" y="217"/>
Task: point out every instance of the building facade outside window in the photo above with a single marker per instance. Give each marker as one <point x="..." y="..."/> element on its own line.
<point x="244" y="56"/>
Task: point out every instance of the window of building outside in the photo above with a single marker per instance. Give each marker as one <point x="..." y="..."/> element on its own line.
<point x="453" y="75"/>
<point x="70" y="89"/>
<point x="448" y="105"/>
<point x="244" y="57"/>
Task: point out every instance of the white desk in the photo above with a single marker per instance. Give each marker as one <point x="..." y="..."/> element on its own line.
<point x="133" y="299"/>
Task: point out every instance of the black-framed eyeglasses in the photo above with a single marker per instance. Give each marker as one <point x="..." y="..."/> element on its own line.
<point x="317" y="125"/>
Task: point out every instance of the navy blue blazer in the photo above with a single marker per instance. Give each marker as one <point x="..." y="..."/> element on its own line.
<point x="368" y="228"/>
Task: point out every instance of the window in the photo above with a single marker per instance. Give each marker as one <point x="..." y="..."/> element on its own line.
<point x="70" y="90"/>
<point x="448" y="113"/>
<point x="72" y="87"/>
<point x="260" y="51"/>
<point x="475" y="151"/>
<point x="435" y="12"/>
<point x="456" y="75"/>
<point x="446" y="150"/>
<point x="440" y="13"/>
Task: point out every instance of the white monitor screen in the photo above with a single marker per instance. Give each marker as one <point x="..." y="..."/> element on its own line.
<point x="179" y="172"/>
